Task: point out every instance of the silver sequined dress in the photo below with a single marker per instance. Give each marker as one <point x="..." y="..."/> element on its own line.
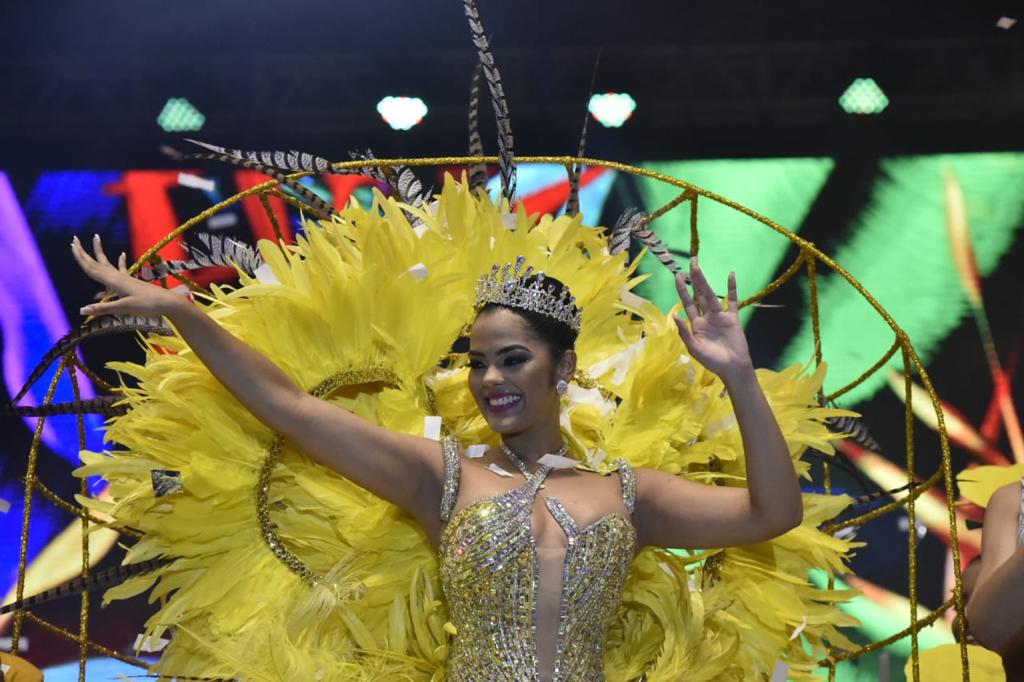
<point x="1020" y="519"/>
<point x="491" y="576"/>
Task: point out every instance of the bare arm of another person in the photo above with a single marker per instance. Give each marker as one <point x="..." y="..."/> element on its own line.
<point x="995" y="612"/>
<point x="403" y="469"/>
<point x="673" y="512"/>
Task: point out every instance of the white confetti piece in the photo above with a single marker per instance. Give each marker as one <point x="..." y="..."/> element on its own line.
<point x="598" y="457"/>
<point x="630" y="299"/>
<point x="620" y="362"/>
<point x="799" y="629"/>
<point x="844" y="533"/>
<point x="222" y="220"/>
<point x="498" y="470"/>
<point x="476" y="451"/>
<point x="1006" y="23"/>
<point x="4" y="668"/>
<point x="432" y="427"/>
<point x="665" y="567"/>
<point x="421" y="230"/>
<point x="196" y="182"/>
<point x="319" y="675"/>
<point x="5" y="506"/>
<point x="419" y="272"/>
<point x="493" y="242"/>
<point x="508" y="220"/>
<point x="557" y="462"/>
<point x="720" y="425"/>
<point x="780" y="673"/>
<point x="150" y="645"/>
<point x="264" y="275"/>
<point x="6" y="643"/>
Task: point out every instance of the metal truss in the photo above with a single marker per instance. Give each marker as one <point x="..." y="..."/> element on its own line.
<point x="687" y="96"/>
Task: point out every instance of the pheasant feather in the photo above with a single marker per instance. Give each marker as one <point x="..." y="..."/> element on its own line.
<point x="100" y="326"/>
<point x="478" y="171"/>
<point x="490" y="70"/>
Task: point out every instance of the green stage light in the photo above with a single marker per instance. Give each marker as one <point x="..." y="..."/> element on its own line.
<point x="864" y="96"/>
<point x="179" y="115"/>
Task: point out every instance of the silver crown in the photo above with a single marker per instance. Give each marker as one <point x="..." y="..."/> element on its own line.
<point x="507" y="286"/>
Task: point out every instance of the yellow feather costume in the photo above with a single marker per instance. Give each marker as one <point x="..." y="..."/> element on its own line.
<point x="375" y="299"/>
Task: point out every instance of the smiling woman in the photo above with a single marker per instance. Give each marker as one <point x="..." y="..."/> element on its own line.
<point x="319" y="529"/>
<point x="538" y="554"/>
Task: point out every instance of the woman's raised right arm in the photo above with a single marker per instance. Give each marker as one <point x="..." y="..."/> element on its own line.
<point x="403" y="469"/>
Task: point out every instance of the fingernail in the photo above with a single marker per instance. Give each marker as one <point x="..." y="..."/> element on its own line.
<point x="85" y="310"/>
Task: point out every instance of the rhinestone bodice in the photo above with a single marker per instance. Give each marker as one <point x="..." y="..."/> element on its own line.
<point x="491" y="576"/>
<point x="1020" y="519"/>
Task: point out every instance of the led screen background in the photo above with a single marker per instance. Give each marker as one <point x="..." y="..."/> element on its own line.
<point x="882" y="218"/>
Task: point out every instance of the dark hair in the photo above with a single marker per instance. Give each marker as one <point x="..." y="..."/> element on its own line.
<point x="557" y="336"/>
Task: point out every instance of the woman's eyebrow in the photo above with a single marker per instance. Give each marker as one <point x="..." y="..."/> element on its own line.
<point x="506" y="349"/>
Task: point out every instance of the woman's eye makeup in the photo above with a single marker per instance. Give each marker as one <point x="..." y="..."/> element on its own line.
<point x="507" y="361"/>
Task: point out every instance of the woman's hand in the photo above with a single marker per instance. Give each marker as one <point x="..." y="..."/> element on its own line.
<point x="716" y="339"/>
<point x="134" y="297"/>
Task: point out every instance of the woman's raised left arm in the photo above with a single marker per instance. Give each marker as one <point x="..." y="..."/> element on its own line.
<point x="673" y="512"/>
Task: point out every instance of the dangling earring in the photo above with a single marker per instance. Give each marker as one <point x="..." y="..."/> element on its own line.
<point x="561" y="387"/>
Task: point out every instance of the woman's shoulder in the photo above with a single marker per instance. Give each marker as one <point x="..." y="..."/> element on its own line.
<point x="1006" y="497"/>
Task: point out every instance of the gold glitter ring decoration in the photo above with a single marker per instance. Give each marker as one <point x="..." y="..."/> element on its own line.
<point x="323" y="390"/>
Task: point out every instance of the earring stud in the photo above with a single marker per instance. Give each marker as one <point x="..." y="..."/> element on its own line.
<point x="561" y="387"/>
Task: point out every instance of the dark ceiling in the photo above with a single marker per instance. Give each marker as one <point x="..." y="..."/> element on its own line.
<point x="82" y="85"/>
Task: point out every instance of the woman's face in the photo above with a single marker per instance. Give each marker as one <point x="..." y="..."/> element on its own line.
<point x="512" y="373"/>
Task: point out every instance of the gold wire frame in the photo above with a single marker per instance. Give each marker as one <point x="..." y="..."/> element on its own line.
<point x="808" y="259"/>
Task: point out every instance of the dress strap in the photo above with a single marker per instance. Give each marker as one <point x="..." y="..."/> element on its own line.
<point x="452" y="469"/>
<point x="628" y="479"/>
<point x="1020" y="520"/>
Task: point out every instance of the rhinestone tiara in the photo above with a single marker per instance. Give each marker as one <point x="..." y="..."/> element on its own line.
<point x="507" y="286"/>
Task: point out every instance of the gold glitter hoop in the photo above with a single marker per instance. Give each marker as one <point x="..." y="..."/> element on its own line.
<point x="323" y="390"/>
<point x="808" y="260"/>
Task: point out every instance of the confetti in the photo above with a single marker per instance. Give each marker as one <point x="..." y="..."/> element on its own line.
<point x="780" y="673"/>
<point x="476" y="451"/>
<point x="264" y="275"/>
<point x="6" y="643"/>
<point x="799" y="629"/>
<point x="844" y="533"/>
<point x="1006" y="23"/>
<point x="222" y="220"/>
<point x="150" y="645"/>
<point x="665" y="567"/>
<point x="419" y="272"/>
<point x="189" y="180"/>
<point x="498" y="470"/>
<point x="421" y="230"/>
<point x="5" y="506"/>
<point x="557" y="462"/>
<point x="4" y="668"/>
<point x="432" y="427"/>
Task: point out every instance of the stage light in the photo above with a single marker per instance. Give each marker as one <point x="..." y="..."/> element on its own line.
<point x="612" y="109"/>
<point x="178" y="116"/>
<point x="402" y="113"/>
<point x="864" y="97"/>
